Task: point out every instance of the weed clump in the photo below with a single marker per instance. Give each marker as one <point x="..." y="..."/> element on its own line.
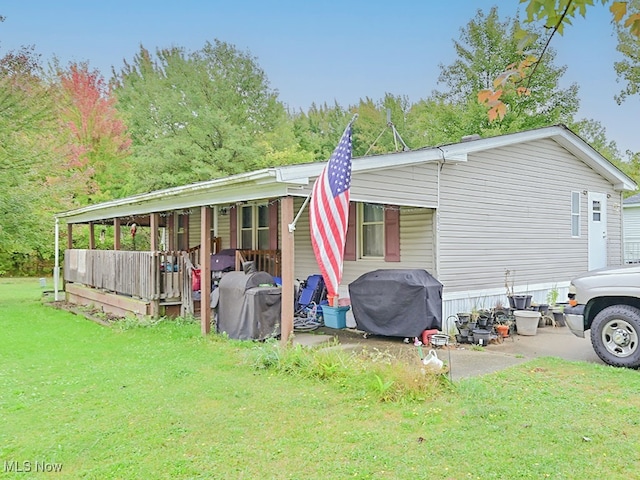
<point x="370" y="373"/>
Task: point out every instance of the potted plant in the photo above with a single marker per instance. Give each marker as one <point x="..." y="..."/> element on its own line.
<point x="557" y="310"/>
<point x="552" y="296"/>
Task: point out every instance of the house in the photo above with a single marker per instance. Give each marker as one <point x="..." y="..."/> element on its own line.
<point x="631" y="223"/>
<point x="529" y="210"/>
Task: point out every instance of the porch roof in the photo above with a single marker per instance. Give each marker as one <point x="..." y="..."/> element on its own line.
<point x="277" y="181"/>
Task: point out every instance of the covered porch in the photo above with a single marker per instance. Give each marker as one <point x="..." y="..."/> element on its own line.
<point x="256" y="213"/>
<point x="177" y="231"/>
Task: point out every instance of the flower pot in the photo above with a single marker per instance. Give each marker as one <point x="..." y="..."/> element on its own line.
<point x="481" y="337"/>
<point x="503" y="330"/>
<point x="464" y="317"/>
<point x="521" y="302"/>
<point x="526" y="322"/>
<point x="559" y="318"/>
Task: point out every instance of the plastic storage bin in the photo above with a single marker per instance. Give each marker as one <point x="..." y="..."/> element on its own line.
<point x="335" y="317"/>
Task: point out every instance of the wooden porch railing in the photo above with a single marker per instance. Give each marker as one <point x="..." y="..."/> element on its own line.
<point x="145" y="275"/>
<point x="152" y="276"/>
<point x="265" y="260"/>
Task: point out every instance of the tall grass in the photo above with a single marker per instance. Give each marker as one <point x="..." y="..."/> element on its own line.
<point x="376" y="374"/>
<point x="163" y="402"/>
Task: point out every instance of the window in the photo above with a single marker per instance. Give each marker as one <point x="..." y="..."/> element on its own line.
<point x="254" y="227"/>
<point x="371" y="230"/>
<point x="575" y="214"/>
<point x="597" y="210"/>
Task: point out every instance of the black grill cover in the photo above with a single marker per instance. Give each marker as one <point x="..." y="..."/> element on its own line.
<point x="397" y="303"/>
<point x="247" y="310"/>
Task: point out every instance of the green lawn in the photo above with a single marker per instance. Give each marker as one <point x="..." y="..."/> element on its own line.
<point x="164" y="402"/>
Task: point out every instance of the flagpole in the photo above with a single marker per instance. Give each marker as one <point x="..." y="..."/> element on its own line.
<point x="292" y="225"/>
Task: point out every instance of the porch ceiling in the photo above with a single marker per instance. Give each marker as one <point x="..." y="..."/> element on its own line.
<point x="225" y="191"/>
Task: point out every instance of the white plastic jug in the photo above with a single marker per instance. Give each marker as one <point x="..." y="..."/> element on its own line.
<point x="432" y="361"/>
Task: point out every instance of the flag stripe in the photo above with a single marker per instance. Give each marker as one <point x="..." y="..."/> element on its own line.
<point x="329" y="213"/>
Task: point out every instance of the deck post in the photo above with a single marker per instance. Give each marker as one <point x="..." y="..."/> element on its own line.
<point x="171" y="231"/>
<point x="69" y="236"/>
<point x="116" y="234"/>
<point x="205" y="270"/>
<point x="154" y="219"/>
<point x="56" y="264"/>
<point x="92" y="237"/>
<point x="287" y="259"/>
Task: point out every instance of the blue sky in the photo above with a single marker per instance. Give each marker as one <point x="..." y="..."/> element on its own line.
<point x="317" y="51"/>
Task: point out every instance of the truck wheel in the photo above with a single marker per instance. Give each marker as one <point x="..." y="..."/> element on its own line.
<point x="615" y="336"/>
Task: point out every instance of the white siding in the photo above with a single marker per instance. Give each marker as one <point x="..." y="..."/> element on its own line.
<point x="412" y="185"/>
<point x="631" y="219"/>
<point x="510" y="208"/>
<point x="416" y="247"/>
<point x="224" y="230"/>
<point x="632" y="223"/>
<point x="194" y="227"/>
<point x="415" y="185"/>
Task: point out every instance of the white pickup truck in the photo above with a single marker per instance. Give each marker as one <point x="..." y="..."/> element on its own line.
<point x="607" y="302"/>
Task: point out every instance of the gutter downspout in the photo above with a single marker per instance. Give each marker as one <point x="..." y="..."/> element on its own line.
<point x="56" y="265"/>
<point x="436" y="232"/>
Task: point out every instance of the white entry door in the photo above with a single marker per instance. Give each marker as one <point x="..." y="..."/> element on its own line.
<point x="597" y="230"/>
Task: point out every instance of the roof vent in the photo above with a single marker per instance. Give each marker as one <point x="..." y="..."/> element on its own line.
<point x="469" y="138"/>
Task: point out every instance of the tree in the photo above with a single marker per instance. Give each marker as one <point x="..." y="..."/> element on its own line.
<point x="318" y="131"/>
<point x="628" y="69"/>
<point x="486" y="44"/>
<point x="94" y="140"/>
<point x="200" y="115"/>
<point x="555" y="15"/>
<point x="26" y="111"/>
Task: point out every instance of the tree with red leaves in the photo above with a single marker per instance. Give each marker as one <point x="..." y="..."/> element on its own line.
<point x="96" y="142"/>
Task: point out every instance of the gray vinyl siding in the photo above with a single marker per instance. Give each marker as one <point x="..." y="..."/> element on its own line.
<point x="224" y="230"/>
<point x="631" y="220"/>
<point x="615" y="229"/>
<point x="194" y="227"/>
<point x="416" y="247"/>
<point x="632" y="223"/>
<point x="415" y="185"/>
<point x="411" y="185"/>
<point x="510" y="208"/>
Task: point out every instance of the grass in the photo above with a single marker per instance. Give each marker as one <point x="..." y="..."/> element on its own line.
<point x="163" y="402"/>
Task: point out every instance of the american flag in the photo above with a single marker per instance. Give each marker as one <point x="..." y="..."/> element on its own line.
<point x="329" y="212"/>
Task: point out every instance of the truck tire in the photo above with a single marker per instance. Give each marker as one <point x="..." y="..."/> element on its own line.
<point x="615" y="336"/>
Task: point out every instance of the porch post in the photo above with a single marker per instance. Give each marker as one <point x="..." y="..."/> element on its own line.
<point x="185" y="235"/>
<point x="205" y="270"/>
<point x="69" y="236"/>
<point x="116" y="234"/>
<point x="171" y="232"/>
<point x="56" y="263"/>
<point x="287" y="258"/>
<point x="153" y="223"/>
<point x="92" y="237"/>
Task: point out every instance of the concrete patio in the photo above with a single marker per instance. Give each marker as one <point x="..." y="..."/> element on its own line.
<point x="464" y="360"/>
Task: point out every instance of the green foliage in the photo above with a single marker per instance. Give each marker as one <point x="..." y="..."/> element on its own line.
<point x="628" y="69"/>
<point x="485" y="47"/>
<point x="199" y="115"/>
<point x="375" y="373"/>
<point x="166" y="403"/>
<point x="26" y="114"/>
